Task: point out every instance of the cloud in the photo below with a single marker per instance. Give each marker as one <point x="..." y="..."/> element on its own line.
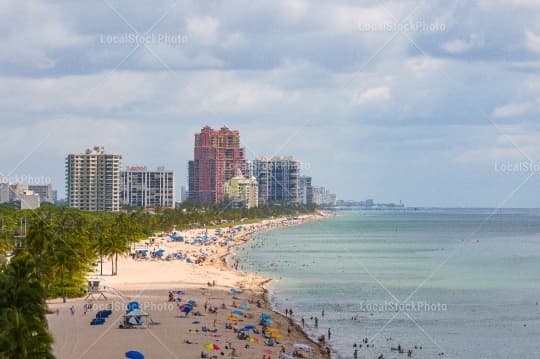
<point x="203" y="30"/>
<point x="460" y="46"/>
<point x="532" y="41"/>
<point x="526" y="4"/>
<point x="374" y="94"/>
<point x="511" y="110"/>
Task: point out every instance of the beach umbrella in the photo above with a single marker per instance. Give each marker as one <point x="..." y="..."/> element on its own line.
<point x="244" y="306"/>
<point x="133" y="354"/>
<point x="211" y="346"/>
<point x="191" y="302"/>
<point x="266" y="316"/>
<point x="247" y="328"/>
<point x="132" y="306"/>
<point x="234" y="291"/>
<point x="266" y="323"/>
<point x="232" y="318"/>
<point x="185" y="308"/>
<point x="237" y="312"/>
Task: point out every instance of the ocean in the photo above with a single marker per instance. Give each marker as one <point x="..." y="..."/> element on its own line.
<point x="463" y="282"/>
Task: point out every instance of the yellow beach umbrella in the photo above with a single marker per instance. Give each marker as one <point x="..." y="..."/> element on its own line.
<point x="232" y="318"/>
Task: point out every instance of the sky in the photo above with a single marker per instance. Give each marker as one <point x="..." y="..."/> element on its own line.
<point x="434" y="103"/>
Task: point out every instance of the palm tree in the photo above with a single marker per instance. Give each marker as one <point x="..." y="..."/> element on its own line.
<point x="23" y="332"/>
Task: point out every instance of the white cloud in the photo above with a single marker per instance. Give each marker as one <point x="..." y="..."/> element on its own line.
<point x="460" y="46"/>
<point x="511" y="110"/>
<point x="374" y="94"/>
<point x="532" y="41"/>
<point x="527" y="4"/>
<point x="203" y="30"/>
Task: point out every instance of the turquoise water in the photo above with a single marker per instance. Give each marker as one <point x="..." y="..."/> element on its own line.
<point x="472" y="276"/>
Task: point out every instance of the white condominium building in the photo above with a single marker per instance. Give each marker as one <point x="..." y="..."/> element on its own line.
<point x="93" y="180"/>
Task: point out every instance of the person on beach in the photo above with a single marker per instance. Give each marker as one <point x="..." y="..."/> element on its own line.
<point x="322" y="313"/>
<point x="72" y="310"/>
<point x="329" y="333"/>
<point x="303" y="322"/>
<point x="355" y="355"/>
<point x="316" y="322"/>
<point x="286" y="312"/>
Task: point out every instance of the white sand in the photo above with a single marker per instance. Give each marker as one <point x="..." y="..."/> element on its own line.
<point x="149" y="281"/>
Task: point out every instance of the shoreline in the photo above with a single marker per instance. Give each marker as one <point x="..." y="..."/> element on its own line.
<point x="149" y="281"/>
<point x="264" y="292"/>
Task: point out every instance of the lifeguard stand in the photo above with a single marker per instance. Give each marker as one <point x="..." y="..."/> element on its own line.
<point x="95" y="289"/>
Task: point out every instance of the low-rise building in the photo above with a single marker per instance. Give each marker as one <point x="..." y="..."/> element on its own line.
<point x="241" y="192"/>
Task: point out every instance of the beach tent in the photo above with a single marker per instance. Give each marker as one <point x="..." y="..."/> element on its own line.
<point x="133" y="354"/>
<point x="136" y="313"/>
<point x="159" y="252"/>
<point x="135" y="317"/>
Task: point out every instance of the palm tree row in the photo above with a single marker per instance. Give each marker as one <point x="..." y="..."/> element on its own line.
<point x="54" y="249"/>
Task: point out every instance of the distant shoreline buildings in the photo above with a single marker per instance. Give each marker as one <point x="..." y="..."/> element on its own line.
<point x="218" y="155"/>
<point x="219" y="173"/>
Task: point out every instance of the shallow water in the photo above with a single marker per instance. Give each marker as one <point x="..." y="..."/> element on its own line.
<point x="470" y="280"/>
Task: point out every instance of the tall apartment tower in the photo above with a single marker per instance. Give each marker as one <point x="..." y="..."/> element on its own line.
<point x="142" y="188"/>
<point x="217" y="157"/>
<point x="305" y="192"/>
<point x="93" y="180"/>
<point x="278" y="178"/>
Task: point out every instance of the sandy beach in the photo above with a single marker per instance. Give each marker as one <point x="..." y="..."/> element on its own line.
<point x="209" y="328"/>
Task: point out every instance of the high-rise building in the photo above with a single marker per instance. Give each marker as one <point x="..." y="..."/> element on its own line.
<point x="278" y="178"/>
<point x="321" y="196"/>
<point x="93" y="180"/>
<point x="306" y="190"/>
<point x="217" y="157"/>
<point x="142" y="188"/>
<point x="4" y="192"/>
<point x="45" y="192"/>
<point x="241" y="192"/>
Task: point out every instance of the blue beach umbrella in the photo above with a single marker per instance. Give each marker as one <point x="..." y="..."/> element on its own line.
<point x="244" y="306"/>
<point x="132" y="306"/>
<point x="247" y="328"/>
<point x="133" y="354"/>
<point x="266" y="316"/>
<point x="237" y="312"/>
